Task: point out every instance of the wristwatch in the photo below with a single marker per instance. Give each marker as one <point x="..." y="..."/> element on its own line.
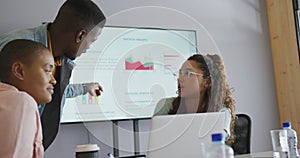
<point x="84" y="87"/>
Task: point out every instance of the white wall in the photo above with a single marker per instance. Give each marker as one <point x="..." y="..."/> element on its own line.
<point x="239" y="32"/>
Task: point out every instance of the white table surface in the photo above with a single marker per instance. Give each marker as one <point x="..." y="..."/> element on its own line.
<point x="256" y="155"/>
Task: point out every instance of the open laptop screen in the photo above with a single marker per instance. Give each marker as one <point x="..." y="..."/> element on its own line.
<point x="181" y="135"/>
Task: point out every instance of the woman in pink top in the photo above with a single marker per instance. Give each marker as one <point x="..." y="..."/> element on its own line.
<point x="26" y="81"/>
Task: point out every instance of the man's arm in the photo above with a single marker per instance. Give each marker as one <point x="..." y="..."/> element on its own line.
<point x="74" y="90"/>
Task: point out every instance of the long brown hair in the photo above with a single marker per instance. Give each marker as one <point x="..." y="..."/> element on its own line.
<point x="218" y="94"/>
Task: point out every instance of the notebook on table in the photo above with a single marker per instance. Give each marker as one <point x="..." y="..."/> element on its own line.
<point x="178" y="136"/>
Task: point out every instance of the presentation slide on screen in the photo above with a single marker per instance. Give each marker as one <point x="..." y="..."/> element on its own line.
<point x="136" y="68"/>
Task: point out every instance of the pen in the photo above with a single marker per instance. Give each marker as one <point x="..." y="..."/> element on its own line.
<point x="110" y="155"/>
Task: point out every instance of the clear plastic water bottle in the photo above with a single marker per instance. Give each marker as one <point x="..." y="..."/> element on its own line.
<point x="292" y="139"/>
<point x="219" y="149"/>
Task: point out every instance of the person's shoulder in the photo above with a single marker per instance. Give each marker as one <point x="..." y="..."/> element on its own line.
<point x="166" y="101"/>
<point x="17" y="34"/>
<point x="25" y="33"/>
<point x="163" y="106"/>
<point x="17" y="103"/>
<point x="171" y="99"/>
<point x="224" y="108"/>
<point x="25" y="100"/>
<point x="29" y="33"/>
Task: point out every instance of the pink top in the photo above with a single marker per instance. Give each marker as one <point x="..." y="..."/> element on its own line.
<point x="20" y="126"/>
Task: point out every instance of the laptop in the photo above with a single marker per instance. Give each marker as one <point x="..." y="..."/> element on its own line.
<point x="183" y="135"/>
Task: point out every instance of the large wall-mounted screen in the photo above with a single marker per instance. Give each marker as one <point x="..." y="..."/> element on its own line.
<point x="135" y="67"/>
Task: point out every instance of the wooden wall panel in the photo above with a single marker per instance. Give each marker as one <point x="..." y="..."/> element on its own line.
<point x="285" y="54"/>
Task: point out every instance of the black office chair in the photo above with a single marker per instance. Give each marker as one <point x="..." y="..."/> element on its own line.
<point x="242" y="134"/>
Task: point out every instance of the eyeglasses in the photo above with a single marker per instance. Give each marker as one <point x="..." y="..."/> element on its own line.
<point x="187" y="74"/>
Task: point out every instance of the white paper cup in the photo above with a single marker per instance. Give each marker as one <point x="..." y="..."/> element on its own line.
<point x="87" y="151"/>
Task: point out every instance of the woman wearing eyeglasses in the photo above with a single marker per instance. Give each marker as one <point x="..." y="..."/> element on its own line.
<point x="202" y="87"/>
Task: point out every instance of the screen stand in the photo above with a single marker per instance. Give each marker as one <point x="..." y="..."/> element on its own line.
<point x="136" y="137"/>
<point x="115" y="138"/>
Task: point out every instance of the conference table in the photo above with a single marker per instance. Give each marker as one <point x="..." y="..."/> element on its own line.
<point x="256" y="155"/>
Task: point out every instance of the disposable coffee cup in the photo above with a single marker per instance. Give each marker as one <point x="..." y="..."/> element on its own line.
<point x="87" y="151"/>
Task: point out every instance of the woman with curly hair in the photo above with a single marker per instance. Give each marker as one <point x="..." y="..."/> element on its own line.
<point x="202" y="87"/>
